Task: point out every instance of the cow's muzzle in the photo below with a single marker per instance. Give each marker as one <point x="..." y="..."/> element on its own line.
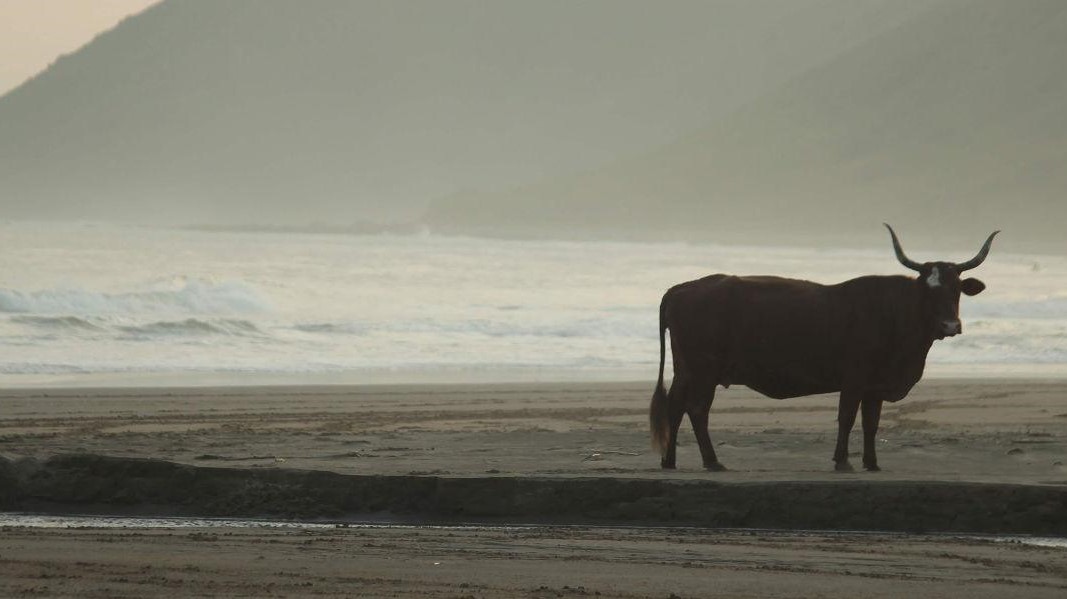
<point x="950" y="328"/>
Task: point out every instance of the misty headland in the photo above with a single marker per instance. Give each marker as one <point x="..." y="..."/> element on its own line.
<point x="802" y="122"/>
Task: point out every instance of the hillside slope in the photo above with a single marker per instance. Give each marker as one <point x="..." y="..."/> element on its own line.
<point x="950" y="125"/>
<point x="275" y="111"/>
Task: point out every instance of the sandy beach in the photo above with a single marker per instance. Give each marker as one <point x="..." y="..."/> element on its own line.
<point x="997" y="432"/>
<point x="1006" y="431"/>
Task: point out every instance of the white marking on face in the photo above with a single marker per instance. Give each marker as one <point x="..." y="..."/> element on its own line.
<point x="934" y="280"/>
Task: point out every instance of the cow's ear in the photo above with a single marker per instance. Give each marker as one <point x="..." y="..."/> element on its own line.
<point x="972" y="286"/>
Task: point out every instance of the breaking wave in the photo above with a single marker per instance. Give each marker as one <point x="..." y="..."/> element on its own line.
<point x="187" y="296"/>
<point x="62" y="323"/>
<point x="192" y="327"/>
<point x="104" y="326"/>
<point x="333" y="328"/>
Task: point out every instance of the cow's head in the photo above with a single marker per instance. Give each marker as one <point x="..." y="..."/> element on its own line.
<point x="942" y="286"/>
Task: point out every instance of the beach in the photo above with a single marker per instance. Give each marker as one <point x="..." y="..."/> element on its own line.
<point x="1009" y="433"/>
<point x="1002" y="431"/>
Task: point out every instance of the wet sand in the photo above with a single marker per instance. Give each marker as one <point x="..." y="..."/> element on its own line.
<point x="982" y="431"/>
<point x="529" y="563"/>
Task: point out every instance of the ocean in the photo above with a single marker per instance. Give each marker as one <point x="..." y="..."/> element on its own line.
<point x="88" y="304"/>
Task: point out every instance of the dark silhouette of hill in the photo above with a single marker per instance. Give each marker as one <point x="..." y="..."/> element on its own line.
<point x="274" y="111"/>
<point x="948" y="126"/>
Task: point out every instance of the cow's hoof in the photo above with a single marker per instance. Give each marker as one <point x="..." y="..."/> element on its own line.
<point x="843" y="466"/>
<point x="715" y="467"/>
<point x="872" y="467"/>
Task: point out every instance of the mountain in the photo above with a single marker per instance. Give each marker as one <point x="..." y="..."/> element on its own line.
<point x="337" y="111"/>
<point x="949" y="125"/>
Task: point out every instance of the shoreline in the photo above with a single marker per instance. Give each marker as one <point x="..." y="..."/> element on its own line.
<point x="457" y="376"/>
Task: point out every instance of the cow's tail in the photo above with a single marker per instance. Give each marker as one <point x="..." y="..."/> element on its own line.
<point x="658" y="411"/>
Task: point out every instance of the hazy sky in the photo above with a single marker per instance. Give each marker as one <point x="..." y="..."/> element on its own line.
<point x="33" y="33"/>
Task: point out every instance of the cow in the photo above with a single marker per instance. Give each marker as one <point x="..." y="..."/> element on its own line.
<point x="866" y="338"/>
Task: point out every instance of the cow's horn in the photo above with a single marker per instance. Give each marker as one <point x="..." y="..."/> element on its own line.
<point x="980" y="258"/>
<point x="900" y="252"/>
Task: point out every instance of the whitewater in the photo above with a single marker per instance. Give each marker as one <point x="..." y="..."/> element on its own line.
<point x="85" y="304"/>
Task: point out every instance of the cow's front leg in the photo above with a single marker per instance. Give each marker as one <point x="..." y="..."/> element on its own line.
<point x="847" y="407"/>
<point x="872" y="413"/>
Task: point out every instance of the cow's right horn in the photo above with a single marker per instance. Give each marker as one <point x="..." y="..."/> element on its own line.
<point x="980" y="258"/>
<point x="900" y="251"/>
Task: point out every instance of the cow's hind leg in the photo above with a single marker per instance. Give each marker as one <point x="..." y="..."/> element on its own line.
<point x="675" y="411"/>
<point x="700" y="398"/>
<point x="847" y="407"/>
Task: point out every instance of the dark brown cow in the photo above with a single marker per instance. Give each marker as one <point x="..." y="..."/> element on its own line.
<point x="866" y="338"/>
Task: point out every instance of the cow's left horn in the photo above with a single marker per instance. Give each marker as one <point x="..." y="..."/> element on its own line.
<point x="900" y="252"/>
<point x="980" y="258"/>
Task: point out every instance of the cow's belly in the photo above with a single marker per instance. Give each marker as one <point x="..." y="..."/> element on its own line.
<point x="783" y="372"/>
<point x="800" y="377"/>
<point x="785" y="384"/>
